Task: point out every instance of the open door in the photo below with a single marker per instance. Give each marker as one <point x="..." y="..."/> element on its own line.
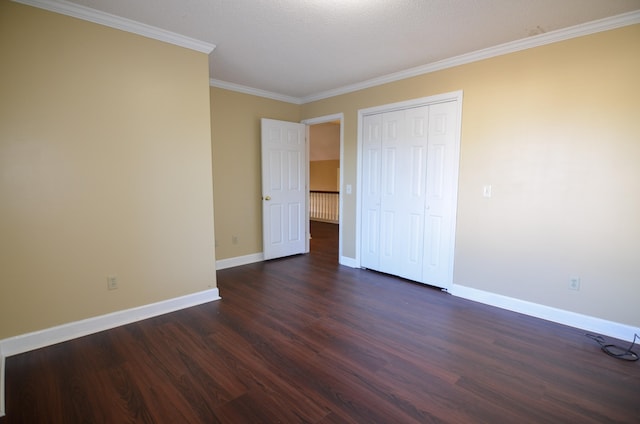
<point x="284" y="189"/>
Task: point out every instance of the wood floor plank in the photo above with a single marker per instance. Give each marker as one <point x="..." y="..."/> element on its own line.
<point x="306" y="340"/>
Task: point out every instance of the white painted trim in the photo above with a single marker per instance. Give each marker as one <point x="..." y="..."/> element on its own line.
<point x="102" y="18"/>
<point x="2" y="362"/>
<point x="343" y="190"/>
<point x="324" y="119"/>
<point x="422" y="101"/>
<point x="254" y="91"/>
<point x="606" y="24"/>
<point x="239" y="260"/>
<point x="359" y="142"/>
<point x="307" y="185"/>
<point x="560" y="316"/>
<point x="588" y="28"/>
<point x="62" y="333"/>
<point x="350" y="262"/>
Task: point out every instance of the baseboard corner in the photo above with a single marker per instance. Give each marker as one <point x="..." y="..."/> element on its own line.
<point x="239" y="260"/>
<point x="350" y="262"/>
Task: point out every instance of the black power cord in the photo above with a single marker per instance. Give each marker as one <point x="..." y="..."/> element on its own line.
<point x="616" y="351"/>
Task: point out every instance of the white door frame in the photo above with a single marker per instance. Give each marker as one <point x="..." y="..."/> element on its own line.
<point x="423" y="101"/>
<point x="322" y="120"/>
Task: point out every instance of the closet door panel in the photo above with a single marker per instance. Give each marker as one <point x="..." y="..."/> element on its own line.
<point x="391" y="191"/>
<point x="371" y="191"/>
<point x="411" y="202"/>
<point x="441" y="192"/>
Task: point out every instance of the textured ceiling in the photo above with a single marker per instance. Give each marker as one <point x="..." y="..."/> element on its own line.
<point x="300" y="48"/>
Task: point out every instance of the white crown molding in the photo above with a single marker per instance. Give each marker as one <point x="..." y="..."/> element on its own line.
<point x="113" y="21"/>
<point x="253" y="91"/>
<point x="588" y="28"/>
<point x="124" y="24"/>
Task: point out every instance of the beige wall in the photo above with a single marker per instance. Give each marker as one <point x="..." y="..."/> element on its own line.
<point x="323" y="175"/>
<point x="105" y="169"/>
<point x="324" y="141"/>
<point x="553" y="129"/>
<point x="235" y="137"/>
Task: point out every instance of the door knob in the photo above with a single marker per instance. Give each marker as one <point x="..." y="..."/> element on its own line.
<point x="267" y="198"/>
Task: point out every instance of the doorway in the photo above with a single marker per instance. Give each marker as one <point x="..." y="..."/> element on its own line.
<point x="324" y="137"/>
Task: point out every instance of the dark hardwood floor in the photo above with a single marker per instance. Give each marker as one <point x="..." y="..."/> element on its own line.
<point x="305" y="340"/>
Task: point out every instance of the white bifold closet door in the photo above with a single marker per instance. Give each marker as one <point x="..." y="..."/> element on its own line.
<point x="408" y="199"/>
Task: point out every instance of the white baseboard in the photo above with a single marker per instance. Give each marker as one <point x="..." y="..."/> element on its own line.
<point x="1" y="383"/>
<point x="62" y="333"/>
<point x="239" y="260"/>
<point x="350" y="262"/>
<point x="65" y="332"/>
<point x="259" y="257"/>
<point x="560" y="316"/>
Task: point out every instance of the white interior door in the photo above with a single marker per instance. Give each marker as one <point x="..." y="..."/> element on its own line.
<point x="409" y="190"/>
<point x="284" y="188"/>
<point x="391" y="192"/>
<point x="403" y="175"/>
<point x="410" y="204"/>
<point x="442" y="190"/>
<point x="370" y="197"/>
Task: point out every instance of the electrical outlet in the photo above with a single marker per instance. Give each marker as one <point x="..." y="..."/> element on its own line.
<point x="574" y="283"/>
<point x="112" y="282"/>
